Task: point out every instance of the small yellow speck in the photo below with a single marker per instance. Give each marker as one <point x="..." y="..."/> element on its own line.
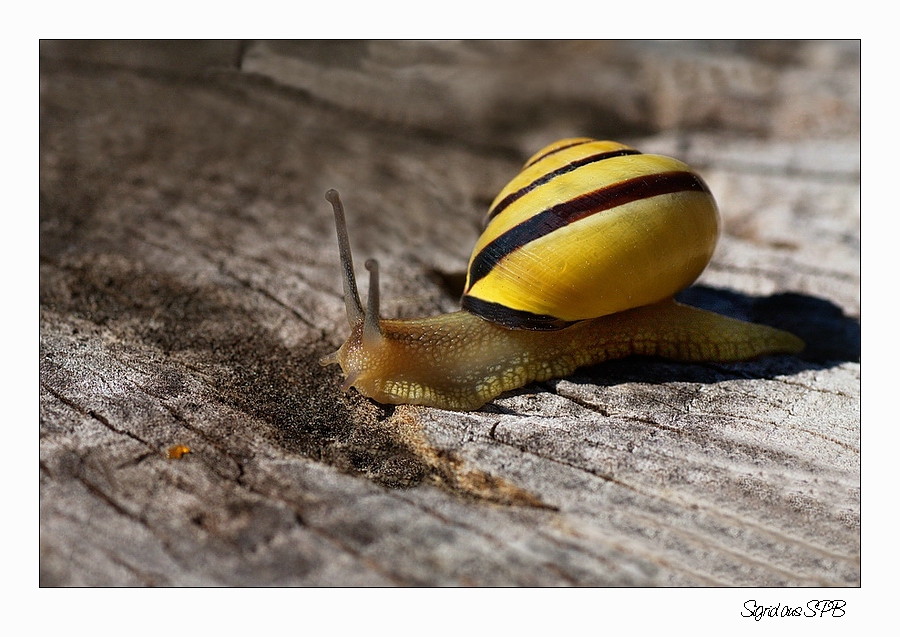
<point x="176" y="452"/>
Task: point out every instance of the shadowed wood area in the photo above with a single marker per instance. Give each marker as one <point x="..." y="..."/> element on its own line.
<point x="189" y="284"/>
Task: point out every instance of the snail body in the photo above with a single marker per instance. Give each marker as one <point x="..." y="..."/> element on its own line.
<point x="578" y="263"/>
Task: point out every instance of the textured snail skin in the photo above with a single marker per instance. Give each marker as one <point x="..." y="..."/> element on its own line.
<point x="459" y="361"/>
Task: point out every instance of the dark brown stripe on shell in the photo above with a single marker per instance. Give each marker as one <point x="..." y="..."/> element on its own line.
<point x="562" y="170"/>
<point x="577" y="208"/>
<point x="512" y="319"/>
<point x="534" y="160"/>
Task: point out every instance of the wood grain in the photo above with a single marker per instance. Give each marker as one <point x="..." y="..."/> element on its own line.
<point x="189" y="283"/>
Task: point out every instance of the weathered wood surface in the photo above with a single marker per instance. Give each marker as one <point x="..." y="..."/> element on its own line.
<point x="189" y="283"/>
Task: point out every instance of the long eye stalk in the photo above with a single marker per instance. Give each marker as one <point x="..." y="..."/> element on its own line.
<point x="351" y="294"/>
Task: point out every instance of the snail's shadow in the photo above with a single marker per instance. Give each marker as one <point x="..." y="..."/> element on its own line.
<point x="831" y="338"/>
<point x="830" y="335"/>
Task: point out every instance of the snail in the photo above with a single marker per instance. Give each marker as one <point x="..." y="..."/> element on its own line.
<point x="580" y="258"/>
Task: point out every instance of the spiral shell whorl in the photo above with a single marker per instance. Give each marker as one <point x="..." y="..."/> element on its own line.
<point x="588" y="229"/>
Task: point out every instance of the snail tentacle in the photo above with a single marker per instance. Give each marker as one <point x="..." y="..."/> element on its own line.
<point x="351" y="294"/>
<point x="372" y="321"/>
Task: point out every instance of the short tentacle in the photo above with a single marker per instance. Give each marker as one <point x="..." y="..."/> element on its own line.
<point x="372" y="326"/>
